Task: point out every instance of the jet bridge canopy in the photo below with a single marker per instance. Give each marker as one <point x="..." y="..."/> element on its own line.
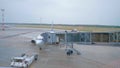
<point x="82" y="37"/>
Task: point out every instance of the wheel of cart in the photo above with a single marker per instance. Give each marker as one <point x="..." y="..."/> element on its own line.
<point x="36" y="57"/>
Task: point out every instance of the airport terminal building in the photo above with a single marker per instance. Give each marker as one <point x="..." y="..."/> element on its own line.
<point x="82" y="37"/>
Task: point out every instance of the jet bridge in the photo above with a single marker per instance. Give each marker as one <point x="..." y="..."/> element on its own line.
<point x="82" y="37"/>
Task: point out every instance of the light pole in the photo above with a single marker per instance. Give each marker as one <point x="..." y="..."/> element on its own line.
<point x="66" y="39"/>
<point x="40" y="20"/>
<point x="2" y="10"/>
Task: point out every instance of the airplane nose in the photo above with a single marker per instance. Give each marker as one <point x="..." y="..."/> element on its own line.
<point x="33" y="41"/>
<point x="39" y="42"/>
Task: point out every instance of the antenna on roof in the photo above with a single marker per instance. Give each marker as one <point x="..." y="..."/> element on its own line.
<point x="52" y="26"/>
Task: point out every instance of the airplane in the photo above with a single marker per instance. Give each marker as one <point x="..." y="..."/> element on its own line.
<point x="39" y="40"/>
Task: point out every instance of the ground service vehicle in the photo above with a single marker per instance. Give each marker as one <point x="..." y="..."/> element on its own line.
<point x="23" y="61"/>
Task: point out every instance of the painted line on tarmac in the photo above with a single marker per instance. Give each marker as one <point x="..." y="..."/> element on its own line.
<point x="6" y="67"/>
<point x="93" y="61"/>
<point x="9" y="36"/>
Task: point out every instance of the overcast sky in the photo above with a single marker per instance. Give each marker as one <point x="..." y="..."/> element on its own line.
<point x="94" y="12"/>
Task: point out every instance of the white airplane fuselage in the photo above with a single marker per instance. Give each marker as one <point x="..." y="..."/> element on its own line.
<point x="38" y="41"/>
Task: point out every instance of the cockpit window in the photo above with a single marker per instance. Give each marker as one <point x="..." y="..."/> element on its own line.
<point x="18" y="60"/>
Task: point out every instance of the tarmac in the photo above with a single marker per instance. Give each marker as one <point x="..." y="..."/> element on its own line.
<point x="15" y="41"/>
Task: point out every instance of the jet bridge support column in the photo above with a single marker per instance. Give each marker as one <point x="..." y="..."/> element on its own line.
<point x="90" y="38"/>
<point x="66" y="39"/>
<point x="117" y="37"/>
